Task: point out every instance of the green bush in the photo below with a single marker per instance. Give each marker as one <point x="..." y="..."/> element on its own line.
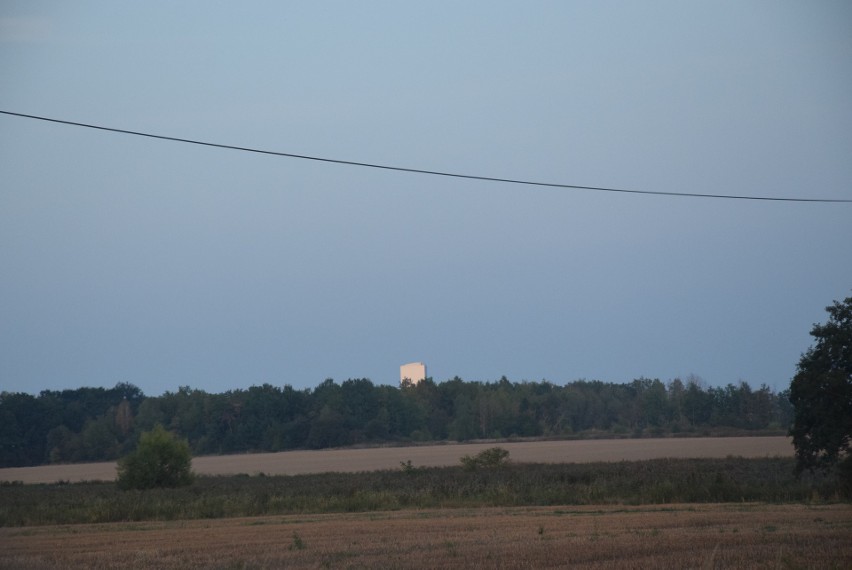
<point x="490" y="458"/>
<point x="160" y="460"/>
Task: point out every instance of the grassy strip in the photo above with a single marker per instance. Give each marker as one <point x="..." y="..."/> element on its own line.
<point x="633" y="483"/>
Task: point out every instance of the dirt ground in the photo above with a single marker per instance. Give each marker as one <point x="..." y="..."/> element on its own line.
<point x="351" y="460"/>
<point x="661" y="536"/>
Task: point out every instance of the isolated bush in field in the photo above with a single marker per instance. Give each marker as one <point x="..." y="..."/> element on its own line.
<point x="160" y="460"/>
<point x="490" y="458"/>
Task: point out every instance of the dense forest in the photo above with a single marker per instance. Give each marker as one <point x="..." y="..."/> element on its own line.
<point x="95" y="424"/>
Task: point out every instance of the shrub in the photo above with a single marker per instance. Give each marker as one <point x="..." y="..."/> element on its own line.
<point x="490" y="458"/>
<point x="160" y="460"/>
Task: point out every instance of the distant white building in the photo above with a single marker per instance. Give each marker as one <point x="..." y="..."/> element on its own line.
<point x="414" y="372"/>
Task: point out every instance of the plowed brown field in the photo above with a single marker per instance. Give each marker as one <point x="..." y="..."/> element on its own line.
<point x="370" y="459"/>
<point x="667" y="536"/>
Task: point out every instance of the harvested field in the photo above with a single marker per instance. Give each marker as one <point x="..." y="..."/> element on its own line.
<point x="666" y="536"/>
<point x="370" y="459"/>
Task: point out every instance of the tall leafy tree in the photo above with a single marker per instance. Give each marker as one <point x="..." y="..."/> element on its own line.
<point x="821" y="393"/>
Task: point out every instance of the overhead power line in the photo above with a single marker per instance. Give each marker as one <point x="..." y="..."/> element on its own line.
<point x="419" y="170"/>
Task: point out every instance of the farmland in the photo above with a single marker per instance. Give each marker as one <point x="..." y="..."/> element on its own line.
<point x="669" y="536"/>
<point x="353" y="460"/>
<point x="666" y="503"/>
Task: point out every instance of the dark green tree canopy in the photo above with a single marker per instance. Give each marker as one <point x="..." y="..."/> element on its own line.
<point x="161" y="460"/>
<point x="821" y="393"/>
<point x="96" y="424"/>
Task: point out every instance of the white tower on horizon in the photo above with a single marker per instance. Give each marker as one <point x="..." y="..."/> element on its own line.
<point x="414" y="372"/>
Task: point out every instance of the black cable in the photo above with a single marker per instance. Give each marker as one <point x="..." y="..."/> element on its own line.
<point x="421" y="171"/>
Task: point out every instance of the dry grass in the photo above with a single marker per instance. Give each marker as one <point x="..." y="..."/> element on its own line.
<point x="353" y="460"/>
<point x="672" y="536"/>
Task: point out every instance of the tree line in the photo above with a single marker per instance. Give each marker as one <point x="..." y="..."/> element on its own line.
<point x="96" y="424"/>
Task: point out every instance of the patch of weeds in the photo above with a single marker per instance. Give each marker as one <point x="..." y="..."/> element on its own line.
<point x="452" y="548"/>
<point x="140" y="527"/>
<point x="239" y="565"/>
<point x="334" y="559"/>
<point x="298" y="543"/>
<point x="596" y="535"/>
<point x="27" y="532"/>
<point x="378" y="517"/>
<point x="639" y="532"/>
<point x="300" y="520"/>
<point x="770" y="528"/>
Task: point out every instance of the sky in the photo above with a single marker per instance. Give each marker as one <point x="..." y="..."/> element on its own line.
<point x="162" y="264"/>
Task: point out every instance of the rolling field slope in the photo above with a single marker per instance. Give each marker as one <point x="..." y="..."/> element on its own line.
<point x="370" y="459"/>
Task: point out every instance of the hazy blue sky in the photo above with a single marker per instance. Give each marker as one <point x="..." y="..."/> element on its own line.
<point x="163" y="264"/>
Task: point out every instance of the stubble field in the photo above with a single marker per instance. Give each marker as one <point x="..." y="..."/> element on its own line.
<point x="371" y="459"/>
<point x="660" y="536"/>
<point x="612" y="533"/>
